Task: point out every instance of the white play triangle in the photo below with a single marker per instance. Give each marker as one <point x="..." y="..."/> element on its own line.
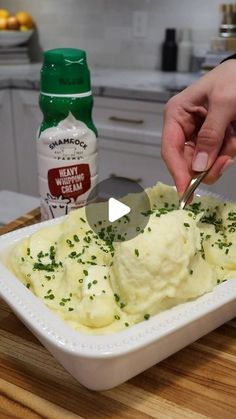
<point x="116" y="209"/>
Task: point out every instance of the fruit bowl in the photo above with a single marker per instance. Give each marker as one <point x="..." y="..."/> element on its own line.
<point x="10" y="38"/>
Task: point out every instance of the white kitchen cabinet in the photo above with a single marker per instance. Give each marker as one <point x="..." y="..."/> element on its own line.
<point x="129" y="140"/>
<point x="27" y="118"/>
<point x="133" y="120"/>
<point x="141" y="164"/>
<point x="8" y="161"/>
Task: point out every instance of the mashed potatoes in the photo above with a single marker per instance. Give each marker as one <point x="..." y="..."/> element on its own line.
<point x="102" y="287"/>
<point x="161" y="265"/>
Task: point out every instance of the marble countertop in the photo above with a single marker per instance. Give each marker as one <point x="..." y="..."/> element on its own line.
<point x="147" y="85"/>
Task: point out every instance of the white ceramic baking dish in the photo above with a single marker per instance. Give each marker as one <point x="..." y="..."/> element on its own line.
<point x="103" y="362"/>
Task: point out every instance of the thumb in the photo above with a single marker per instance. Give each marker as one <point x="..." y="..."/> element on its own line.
<point x="210" y="139"/>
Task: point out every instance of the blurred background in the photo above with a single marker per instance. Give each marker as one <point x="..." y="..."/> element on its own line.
<point x="132" y="29"/>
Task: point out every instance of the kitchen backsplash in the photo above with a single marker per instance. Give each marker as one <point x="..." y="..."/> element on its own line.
<point x="125" y="33"/>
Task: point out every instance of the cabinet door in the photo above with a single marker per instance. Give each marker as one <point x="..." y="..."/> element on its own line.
<point x="137" y="121"/>
<point x="129" y="140"/>
<point x="142" y="164"/>
<point x="27" y="118"/>
<point x="8" y="168"/>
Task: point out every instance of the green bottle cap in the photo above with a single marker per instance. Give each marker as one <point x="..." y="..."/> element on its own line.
<point x="65" y="71"/>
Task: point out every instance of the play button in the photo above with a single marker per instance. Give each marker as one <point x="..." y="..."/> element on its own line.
<point x="123" y="211"/>
<point x="116" y="210"/>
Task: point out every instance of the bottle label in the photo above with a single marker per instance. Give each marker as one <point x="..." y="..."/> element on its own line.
<point x="69" y="181"/>
<point x="67" y="166"/>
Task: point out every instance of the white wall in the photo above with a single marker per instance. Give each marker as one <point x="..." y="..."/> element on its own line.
<point x="104" y="27"/>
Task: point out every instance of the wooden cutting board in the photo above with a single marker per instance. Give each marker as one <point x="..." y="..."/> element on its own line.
<point x="197" y="382"/>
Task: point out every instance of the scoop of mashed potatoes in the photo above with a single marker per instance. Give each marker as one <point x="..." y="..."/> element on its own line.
<point x="102" y="287"/>
<point x="159" y="264"/>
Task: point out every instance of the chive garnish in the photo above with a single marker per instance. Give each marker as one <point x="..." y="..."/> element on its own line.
<point x="117" y="298"/>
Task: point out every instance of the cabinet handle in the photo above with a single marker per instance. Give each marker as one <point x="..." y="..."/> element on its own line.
<point x="130" y="121"/>
<point x="137" y="180"/>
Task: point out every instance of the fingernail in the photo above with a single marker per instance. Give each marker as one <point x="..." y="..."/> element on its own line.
<point x="200" y="162"/>
<point x="226" y="166"/>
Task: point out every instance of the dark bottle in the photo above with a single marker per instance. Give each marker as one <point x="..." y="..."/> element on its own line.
<point x="169" y="51"/>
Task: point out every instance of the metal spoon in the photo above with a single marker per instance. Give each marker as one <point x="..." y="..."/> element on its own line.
<point x="195" y="182"/>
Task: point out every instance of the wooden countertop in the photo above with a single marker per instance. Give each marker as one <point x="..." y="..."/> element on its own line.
<point x="197" y="382"/>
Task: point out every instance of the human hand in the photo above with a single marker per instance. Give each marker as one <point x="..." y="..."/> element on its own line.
<point x="204" y="117"/>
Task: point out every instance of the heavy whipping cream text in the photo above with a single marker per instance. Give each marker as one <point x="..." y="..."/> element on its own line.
<point x="67" y="166"/>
